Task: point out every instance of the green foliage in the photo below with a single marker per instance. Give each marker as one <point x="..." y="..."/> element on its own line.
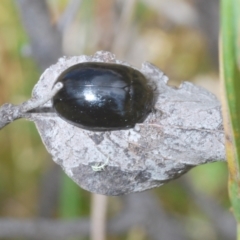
<point x="231" y="80"/>
<point x="70" y="198"/>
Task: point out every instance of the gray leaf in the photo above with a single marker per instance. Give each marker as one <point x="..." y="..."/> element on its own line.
<point x="184" y="130"/>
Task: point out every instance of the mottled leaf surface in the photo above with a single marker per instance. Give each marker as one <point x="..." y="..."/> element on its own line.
<point x="184" y="130"/>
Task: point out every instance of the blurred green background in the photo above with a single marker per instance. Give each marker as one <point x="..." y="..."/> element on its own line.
<point x="178" y="47"/>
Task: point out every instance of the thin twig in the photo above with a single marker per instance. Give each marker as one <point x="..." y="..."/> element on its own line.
<point x="69" y="14"/>
<point x="98" y="217"/>
<point x="10" y="112"/>
<point x="124" y="28"/>
<point x="45" y="38"/>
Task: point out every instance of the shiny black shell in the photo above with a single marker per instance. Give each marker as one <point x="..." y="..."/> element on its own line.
<point x="102" y="96"/>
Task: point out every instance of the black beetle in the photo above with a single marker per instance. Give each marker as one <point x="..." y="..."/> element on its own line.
<point x="103" y="96"/>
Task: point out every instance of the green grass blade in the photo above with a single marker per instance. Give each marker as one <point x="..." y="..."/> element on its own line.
<point x="231" y="81"/>
<point x="237" y="30"/>
<point x="70" y="199"/>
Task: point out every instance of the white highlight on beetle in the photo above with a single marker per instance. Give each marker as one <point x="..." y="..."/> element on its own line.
<point x="90" y="96"/>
